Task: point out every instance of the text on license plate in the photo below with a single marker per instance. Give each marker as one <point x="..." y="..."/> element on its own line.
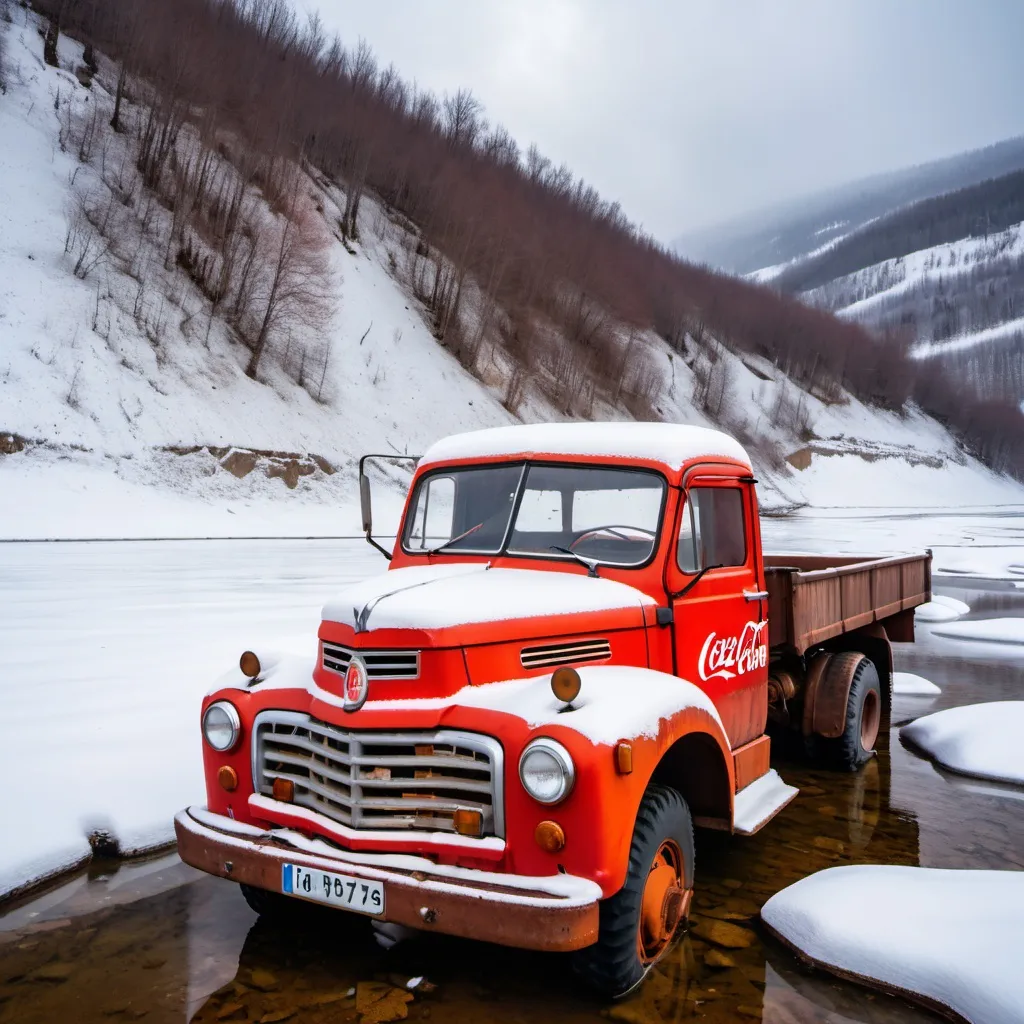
<point x="357" y="894"/>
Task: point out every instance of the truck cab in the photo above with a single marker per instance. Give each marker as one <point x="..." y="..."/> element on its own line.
<point x="567" y="665"/>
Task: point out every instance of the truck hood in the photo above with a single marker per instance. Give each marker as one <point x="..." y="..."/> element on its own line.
<point x="443" y="597"/>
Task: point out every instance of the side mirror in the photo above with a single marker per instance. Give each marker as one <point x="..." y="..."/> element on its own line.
<point x="364" y="496"/>
<point x="364" y="503"/>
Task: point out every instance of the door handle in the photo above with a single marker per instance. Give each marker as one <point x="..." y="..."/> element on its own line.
<point x="755" y="595"/>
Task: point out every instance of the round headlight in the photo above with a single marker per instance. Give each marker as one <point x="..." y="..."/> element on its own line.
<point x="221" y="726"/>
<point x="546" y="771"/>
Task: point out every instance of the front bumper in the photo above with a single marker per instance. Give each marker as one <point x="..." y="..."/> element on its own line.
<point x="552" y="913"/>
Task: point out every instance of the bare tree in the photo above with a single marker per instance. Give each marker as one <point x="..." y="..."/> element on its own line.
<point x="462" y="118"/>
<point x="5" y="18"/>
<point x="296" y="282"/>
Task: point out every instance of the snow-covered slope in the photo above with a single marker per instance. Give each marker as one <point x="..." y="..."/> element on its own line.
<point x="125" y="409"/>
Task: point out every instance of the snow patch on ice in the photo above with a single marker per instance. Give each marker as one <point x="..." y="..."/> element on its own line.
<point x="907" y="684"/>
<point x="941" y="609"/>
<point x="948" y="936"/>
<point x="996" y="631"/>
<point x="983" y="740"/>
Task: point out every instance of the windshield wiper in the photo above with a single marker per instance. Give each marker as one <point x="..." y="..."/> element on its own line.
<point x="589" y="565"/>
<point x="454" y="540"/>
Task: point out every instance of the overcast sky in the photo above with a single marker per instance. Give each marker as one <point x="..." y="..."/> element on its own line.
<point x="691" y="112"/>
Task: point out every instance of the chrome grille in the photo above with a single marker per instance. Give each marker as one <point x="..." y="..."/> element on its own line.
<point x="379" y="664"/>
<point x="571" y="653"/>
<point x="380" y="780"/>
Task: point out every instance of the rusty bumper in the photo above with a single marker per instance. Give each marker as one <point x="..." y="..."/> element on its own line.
<point x="552" y="914"/>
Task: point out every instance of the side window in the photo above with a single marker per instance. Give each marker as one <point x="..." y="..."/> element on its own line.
<point x="432" y="517"/>
<point x="713" y="529"/>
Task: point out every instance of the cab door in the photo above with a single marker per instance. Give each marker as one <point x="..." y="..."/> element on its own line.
<point x="719" y="605"/>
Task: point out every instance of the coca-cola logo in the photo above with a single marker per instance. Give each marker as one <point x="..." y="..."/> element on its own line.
<point x="730" y="656"/>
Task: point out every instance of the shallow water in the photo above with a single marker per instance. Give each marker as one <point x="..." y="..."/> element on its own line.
<point x="160" y="942"/>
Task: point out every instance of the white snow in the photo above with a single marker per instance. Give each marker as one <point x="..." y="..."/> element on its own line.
<point x="106" y="651"/>
<point x="416" y="597"/>
<point x="667" y="443"/>
<point x="983" y="740"/>
<point x="999" y="631"/>
<point x="949" y="936"/>
<point x="907" y="684"/>
<point x="759" y="801"/>
<point x="616" y="702"/>
<point x="881" y="282"/>
<point x="941" y="609"/>
<point x="1007" y="329"/>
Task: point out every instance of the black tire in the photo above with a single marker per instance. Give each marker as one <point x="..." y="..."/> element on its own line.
<point x="863" y="716"/>
<point x="613" y="965"/>
<point x="268" y="904"/>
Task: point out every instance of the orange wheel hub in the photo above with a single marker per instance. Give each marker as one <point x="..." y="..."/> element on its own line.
<point x="665" y="902"/>
<point x="870" y="720"/>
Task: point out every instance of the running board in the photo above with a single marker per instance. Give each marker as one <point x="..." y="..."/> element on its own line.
<point x="759" y="802"/>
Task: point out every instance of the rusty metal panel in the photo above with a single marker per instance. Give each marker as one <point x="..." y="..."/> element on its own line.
<point x="779" y="585"/>
<point x="855" y="599"/>
<point x="887" y="584"/>
<point x="813" y="602"/>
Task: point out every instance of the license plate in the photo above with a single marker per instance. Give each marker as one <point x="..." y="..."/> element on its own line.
<point x="358" y="894"/>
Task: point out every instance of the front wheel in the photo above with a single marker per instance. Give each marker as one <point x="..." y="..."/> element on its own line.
<point x="274" y="905"/>
<point x="638" y="924"/>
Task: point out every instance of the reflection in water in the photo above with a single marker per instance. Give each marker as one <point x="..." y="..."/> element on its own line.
<point x="190" y="950"/>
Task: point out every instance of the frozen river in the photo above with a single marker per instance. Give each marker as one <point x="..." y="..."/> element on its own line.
<point x="107" y="647"/>
<point x="105" y="651"/>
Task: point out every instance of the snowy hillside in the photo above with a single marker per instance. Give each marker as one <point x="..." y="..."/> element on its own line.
<point x="944" y="276"/>
<point x="952" y="298"/>
<point x="125" y="408"/>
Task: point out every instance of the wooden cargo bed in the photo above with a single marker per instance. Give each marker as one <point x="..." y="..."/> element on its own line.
<point x="812" y="598"/>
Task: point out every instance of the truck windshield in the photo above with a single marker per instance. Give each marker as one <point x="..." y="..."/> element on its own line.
<point x="610" y="516"/>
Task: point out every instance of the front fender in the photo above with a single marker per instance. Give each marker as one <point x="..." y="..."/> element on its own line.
<point x="649" y="710"/>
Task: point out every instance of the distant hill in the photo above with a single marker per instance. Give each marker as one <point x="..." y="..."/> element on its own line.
<point x="944" y="276"/>
<point x="795" y="229"/>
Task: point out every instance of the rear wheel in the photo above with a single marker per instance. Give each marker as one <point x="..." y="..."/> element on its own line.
<point x="639" y="923"/>
<point x="863" y="718"/>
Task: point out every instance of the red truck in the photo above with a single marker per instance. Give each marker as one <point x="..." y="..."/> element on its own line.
<point x="572" y="660"/>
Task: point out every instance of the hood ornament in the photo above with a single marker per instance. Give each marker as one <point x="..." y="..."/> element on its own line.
<point x="361" y="616"/>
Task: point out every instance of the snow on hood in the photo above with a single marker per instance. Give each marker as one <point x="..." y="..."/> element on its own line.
<point x="616" y="701"/>
<point x="441" y="596"/>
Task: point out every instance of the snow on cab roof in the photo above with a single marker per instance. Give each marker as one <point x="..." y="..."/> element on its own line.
<point x="672" y="444"/>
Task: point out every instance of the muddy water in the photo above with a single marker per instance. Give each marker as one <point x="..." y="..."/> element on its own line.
<point x="158" y="942"/>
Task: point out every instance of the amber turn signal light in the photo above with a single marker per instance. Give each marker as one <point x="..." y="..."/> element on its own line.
<point x="549" y="836"/>
<point x="566" y="683"/>
<point x="227" y="777"/>
<point x="249" y="664"/>
<point x="284" y="790"/>
<point x="623" y="758"/>
<point x="468" y="823"/>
